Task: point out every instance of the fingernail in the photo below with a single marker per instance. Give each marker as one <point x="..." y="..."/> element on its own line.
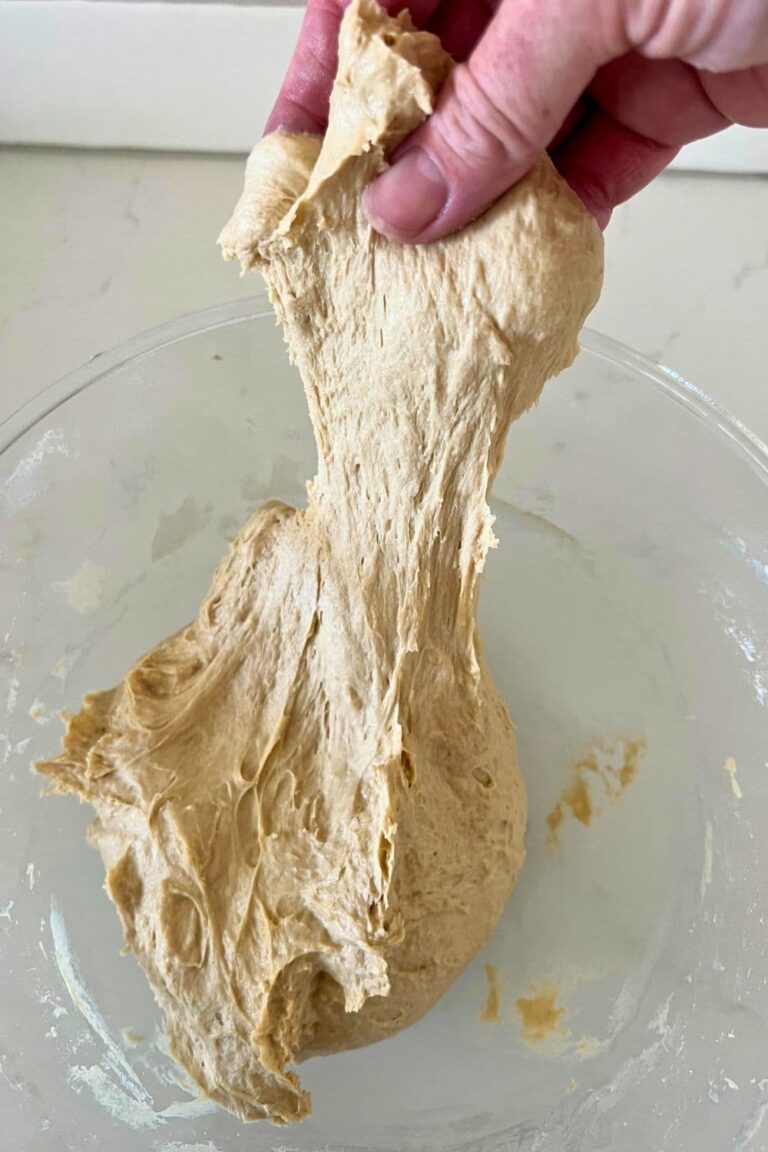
<point x="406" y="198"/>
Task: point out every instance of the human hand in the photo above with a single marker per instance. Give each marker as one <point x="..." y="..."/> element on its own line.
<point x="612" y="88"/>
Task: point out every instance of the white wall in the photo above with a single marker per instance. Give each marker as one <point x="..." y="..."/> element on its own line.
<point x="186" y="76"/>
<point x="189" y="76"/>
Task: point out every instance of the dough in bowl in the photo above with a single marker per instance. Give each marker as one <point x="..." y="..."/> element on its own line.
<point x="308" y="801"/>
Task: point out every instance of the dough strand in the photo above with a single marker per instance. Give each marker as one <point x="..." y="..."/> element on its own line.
<point x="308" y="801"/>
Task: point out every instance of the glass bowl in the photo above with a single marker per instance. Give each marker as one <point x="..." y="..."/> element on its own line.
<point x="622" y="1003"/>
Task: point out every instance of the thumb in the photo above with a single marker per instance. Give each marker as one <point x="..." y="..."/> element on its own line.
<point x="495" y="115"/>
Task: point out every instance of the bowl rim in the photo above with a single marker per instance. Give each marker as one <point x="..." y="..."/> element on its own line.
<point x="669" y="383"/>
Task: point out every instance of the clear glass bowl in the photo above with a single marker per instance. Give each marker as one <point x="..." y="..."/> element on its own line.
<point x="628" y="599"/>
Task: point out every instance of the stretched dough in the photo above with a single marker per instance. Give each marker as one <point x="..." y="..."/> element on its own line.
<point x="308" y="801"/>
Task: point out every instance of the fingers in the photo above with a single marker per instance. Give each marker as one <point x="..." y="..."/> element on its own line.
<point x="741" y="96"/>
<point x="495" y="115"/>
<point x="661" y="99"/>
<point x="460" y="24"/>
<point x="606" y="163"/>
<point x="643" y="112"/>
<point x="720" y="36"/>
<point x="302" y="104"/>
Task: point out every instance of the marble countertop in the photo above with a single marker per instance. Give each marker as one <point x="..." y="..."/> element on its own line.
<point x="100" y="245"/>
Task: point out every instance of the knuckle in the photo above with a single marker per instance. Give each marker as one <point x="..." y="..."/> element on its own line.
<point x="475" y="128"/>
<point x="699" y="33"/>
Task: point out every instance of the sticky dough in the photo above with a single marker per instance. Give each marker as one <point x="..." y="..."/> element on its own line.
<point x="308" y="801"/>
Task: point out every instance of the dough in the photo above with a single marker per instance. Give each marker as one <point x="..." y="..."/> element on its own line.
<point x="308" y="801"/>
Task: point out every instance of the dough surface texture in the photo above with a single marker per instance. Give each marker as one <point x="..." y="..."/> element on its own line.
<point x="308" y="801"/>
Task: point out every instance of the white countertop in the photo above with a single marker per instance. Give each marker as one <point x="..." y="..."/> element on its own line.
<point x="100" y="245"/>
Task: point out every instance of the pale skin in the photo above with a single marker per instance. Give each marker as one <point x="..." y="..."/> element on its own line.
<point x="612" y="88"/>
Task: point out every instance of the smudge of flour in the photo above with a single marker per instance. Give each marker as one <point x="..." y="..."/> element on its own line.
<point x="115" y="1085"/>
<point x="123" y="1106"/>
<point x="18" y="489"/>
<point x="83" y="1001"/>
<point x="730" y="767"/>
<point x="176" y="1146"/>
<point x="40" y="713"/>
<point x="706" y="871"/>
<point x="84" y="591"/>
<point x="127" y="1099"/>
<point x="64" y="666"/>
<point x="13" y="695"/>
